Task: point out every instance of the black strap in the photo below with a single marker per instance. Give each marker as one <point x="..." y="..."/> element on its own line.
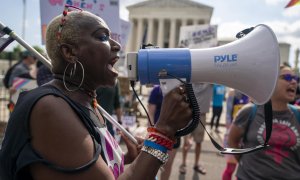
<point x="268" y="120"/>
<point x="194" y="122"/>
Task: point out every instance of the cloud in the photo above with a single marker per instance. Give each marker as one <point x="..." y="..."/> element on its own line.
<point x="123" y="10"/>
<point x="285" y="27"/>
<point x="230" y="29"/>
<point x="284" y="31"/>
<point x="275" y="2"/>
<point x="291" y="12"/>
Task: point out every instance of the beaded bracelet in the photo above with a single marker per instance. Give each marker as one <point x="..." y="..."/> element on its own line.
<point x="155" y="130"/>
<point x="161" y="141"/>
<point x="155" y="146"/>
<point x="161" y="135"/>
<point x="161" y="156"/>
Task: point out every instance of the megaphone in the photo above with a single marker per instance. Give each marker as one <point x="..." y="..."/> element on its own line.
<point x="249" y="64"/>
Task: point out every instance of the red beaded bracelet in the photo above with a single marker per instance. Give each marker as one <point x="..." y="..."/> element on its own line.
<point x="153" y="129"/>
<point x="161" y="140"/>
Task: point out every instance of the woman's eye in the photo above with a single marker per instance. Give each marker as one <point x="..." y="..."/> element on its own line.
<point x="104" y="37"/>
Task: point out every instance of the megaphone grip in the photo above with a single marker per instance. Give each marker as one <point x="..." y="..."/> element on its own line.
<point x="195" y="112"/>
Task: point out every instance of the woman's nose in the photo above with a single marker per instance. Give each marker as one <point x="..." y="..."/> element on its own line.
<point x="115" y="46"/>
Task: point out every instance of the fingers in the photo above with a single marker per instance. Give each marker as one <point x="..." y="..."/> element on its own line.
<point x="185" y="98"/>
<point x="181" y="90"/>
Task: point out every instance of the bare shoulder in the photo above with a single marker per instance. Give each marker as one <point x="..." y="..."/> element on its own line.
<point x="55" y="122"/>
<point x="60" y="137"/>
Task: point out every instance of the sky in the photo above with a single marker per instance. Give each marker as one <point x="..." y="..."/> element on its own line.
<point x="231" y="16"/>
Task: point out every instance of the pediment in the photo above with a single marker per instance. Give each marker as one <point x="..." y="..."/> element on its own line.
<point x="168" y="4"/>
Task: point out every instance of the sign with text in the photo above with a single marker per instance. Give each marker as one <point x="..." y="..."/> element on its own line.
<point x="128" y="121"/>
<point x="108" y="10"/>
<point x="198" y="36"/>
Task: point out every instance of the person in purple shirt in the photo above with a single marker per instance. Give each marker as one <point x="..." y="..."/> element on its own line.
<point x="154" y="107"/>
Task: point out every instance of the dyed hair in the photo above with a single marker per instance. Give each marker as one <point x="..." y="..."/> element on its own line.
<point x="76" y="23"/>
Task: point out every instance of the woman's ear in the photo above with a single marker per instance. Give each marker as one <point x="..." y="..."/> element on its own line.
<point x="68" y="52"/>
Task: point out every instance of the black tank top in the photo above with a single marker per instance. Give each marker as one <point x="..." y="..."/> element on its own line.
<point x="17" y="153"/>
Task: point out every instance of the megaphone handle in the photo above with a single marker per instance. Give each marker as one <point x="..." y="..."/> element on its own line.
<point x="195" y="112"/>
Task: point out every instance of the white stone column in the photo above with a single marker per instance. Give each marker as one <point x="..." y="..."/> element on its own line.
<point x="150" y="31"/>
<point x="160" y="37"/>
<point x="195" y="21"/>
<point x="131" y="40"/>
<point x="183" y="22"/>
<point x="140" y="33"/>
<point x="172" y="33"/>
<point x="206" y="21"/>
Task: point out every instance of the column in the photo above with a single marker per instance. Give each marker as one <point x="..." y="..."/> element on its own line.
<point x="130" y="42"/>
<point x="139" y="33"/>
<point x="195" y="21"/>
<point x="160" y="37"/>
<point x="172" y="33"/>
<point x="206" y="21"/>
<point x="183" y="22"/>
<point x="150" y="31"/>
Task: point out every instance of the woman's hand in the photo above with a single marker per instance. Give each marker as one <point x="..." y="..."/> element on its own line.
<point x="132" y="149"/>
<point x="175" y="112"/>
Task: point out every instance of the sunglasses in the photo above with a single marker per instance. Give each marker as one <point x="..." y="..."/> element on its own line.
<point x="289" y="77"/>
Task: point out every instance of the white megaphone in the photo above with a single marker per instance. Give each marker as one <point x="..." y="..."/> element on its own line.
<point x="249" y="64"/>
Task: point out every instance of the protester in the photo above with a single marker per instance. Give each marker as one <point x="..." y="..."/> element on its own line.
<point x="109" y="100"/>
<point x="154" y="107"/>
<point x="44" y="74"/>
<point x="235" y="101"/>
<point x="217" y="106"/>
<point x="56" y="132"/>
<point x="203" y="93"/>
<point x="280" y="161"/>
<point x="23" y="69"/>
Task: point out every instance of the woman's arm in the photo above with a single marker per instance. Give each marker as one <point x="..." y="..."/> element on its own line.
<point x="61" y="138"/>
<point x="234" y="138"/>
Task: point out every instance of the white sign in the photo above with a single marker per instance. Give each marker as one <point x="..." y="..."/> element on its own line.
<point x="124" y="33"/>
<point x="128" y="121"/>
<point x="106" y="9"/>
<point x="198" y="36"/>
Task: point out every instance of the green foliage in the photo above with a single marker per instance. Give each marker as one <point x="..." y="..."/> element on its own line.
<point x="38" y="49"/>
<point x="16" y="53"/>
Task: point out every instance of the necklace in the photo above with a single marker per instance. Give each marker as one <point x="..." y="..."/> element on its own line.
<point x="94" y="103"/>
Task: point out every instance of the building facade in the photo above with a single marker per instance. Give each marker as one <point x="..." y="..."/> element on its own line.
<point x="158" y="21"/>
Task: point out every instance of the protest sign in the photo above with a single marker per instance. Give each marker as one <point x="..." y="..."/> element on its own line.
<point x="198" y="36"/>
<point x="106" y="9"/>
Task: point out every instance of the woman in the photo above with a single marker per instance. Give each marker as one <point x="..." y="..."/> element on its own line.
<point x="56" y="132"/>
<point x="282" y="159"/>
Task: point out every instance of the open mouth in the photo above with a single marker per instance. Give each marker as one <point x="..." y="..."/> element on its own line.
<point x="291" y="90"/>
<point x="111" y="65"/>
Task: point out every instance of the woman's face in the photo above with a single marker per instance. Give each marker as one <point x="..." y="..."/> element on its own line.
<point x="98" y="53"/>
<point x="286" y="86"/>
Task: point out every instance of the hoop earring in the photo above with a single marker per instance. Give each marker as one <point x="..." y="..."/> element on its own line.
<point x="72" y="74"/>
<point x="73" y="70"/>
